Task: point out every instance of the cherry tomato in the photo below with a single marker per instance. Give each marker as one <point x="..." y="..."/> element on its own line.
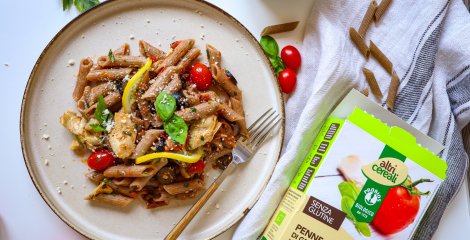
<point x="201" y="76"/>
<point x="197" y="167"/>
<point x="397" y="211"/>
<point x="287" y="79"/>
<point x="291" y="57"/>
<point x="101" y="160"/>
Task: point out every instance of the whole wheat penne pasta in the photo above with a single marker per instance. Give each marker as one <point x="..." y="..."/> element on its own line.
<point x="123" y="182"/>
<point x="110" y="100"/>
<point x="393" y="90"/>
<point x="95" y="176"/>
<point x="142" y="104"/>
<point x="381" y="9"/>
<point x="102" y="89"/>
<point x="160" y="82"/>
<point x="220" y="76"/>
<point x="374" y="86"/>
<point x="381" y="58"/>
<point x="122" y="61"/>
<point x="174" y="85"/>
<point x="82" y="104"/>
<point x="145" y="143"/>
<point x="216" y="155"/>
<point x="188" y="58"/>
<point x="146" y="49"/>
<point x="113" y="199"/>
<point x="368" y="18"/>
<point x="85" y="66"/>
<point x="123" y="50"/>
<point x="238" y="107"/>
<point x="140" y="182"/>
<point x="213" y="55"/>
<point x="129" y="171"/>
<point x="178" y="52"/>
<point x="359" y="42"/>
<point x="108" y="74"/>
<point x="365" y="91"/>
<point x="184" y="187"/>
<point x="198" y="111"/>
<point x="230" y="114"/>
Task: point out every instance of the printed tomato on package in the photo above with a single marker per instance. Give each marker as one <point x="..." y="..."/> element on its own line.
<point x="363" y="178"/>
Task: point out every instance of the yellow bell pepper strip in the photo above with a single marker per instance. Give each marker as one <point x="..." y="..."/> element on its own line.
<point x="131" y="87"/>
<point x="191" y="158"/>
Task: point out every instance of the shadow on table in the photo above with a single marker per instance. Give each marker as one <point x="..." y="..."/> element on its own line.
<point x="3" y="230"/>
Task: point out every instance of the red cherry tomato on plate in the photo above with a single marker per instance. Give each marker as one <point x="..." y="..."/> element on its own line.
<point x="197" y="167"/>
<point x="101" y="160"/>
<point x="287" y="79"/>
<point x="201" y="76"/>
<point x="291" y="57"/>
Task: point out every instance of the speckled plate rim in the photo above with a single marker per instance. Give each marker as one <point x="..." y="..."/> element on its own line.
<point x="31" y="171"/>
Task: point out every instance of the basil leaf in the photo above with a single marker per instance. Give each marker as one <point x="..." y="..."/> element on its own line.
<point x="278" y="64"/>
<point x="103" y="115"/>
<point x="66" y="4"/>
<point x="363" y="228"/>
<point x="83" y="5"/>
<point x="349" y="192"/>
<point x="348" y="189"/>
<point x="176" y="128"/>
<point x="269" y="46"/>
<point x="165" y="105"/>
<point x="111" y="55"/>
<point x="346" y="205"/>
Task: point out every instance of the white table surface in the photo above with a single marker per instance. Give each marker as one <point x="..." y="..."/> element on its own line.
<point x="28" y="25"/>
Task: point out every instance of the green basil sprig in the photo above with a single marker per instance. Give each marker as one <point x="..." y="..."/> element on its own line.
<point x="174" y="126"/>
<point x="271" y="48"/>
<point x="349" y="192"/>
<point x="103" y="115"/>
<point x="111" y="55"/>
<point x="81" y="5"/>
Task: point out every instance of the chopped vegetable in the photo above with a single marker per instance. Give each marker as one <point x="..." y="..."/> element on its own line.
<point x="165" y="105"/>
<point x="111" y="55"/>
<point x="101" y="160"/>
<point x="128" y="97"/>
<point x="201" y="76"/>
<point x="104" y="117"/>
<point x="176" y="128"/>
<point x="191" y="158"/>
<point x="197" y="167"/>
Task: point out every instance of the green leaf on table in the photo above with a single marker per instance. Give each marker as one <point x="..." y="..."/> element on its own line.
<point x="165" y="105"/>
<point x="176" y="128"/>
<point x="66" y="4"/>
<point x="269" y="46"/>
<point x="83" y="5"/>
<point x="111" y="55"/>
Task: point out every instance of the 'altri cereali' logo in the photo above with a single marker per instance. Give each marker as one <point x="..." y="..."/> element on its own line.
<point x="386" y="171"/>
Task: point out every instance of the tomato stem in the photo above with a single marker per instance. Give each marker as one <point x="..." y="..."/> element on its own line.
<point x="412" y="187"/>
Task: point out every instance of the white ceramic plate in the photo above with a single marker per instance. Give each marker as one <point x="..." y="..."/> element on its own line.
<point x="49" y="94"/>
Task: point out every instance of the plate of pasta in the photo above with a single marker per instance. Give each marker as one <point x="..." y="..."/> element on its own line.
<point x="133" y="109"/>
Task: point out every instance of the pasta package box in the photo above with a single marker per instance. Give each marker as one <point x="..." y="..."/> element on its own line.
<point x="361" y="179"/>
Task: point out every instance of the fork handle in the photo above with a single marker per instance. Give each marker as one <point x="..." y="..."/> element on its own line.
<point x="176" y="231"/>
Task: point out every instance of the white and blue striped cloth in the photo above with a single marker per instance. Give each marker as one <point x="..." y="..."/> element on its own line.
<point x="429" y="45"/>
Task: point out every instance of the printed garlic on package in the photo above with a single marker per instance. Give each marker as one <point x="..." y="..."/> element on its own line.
<point x="361" y="179"/>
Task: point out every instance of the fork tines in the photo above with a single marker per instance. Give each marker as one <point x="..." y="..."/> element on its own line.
<point x="261" y="128"/>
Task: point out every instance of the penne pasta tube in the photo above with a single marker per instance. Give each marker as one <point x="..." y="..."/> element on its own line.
<point x="110" y="100"/>
<point x="393" y="90"/>
<point x="184" y="187"/>
<point x="178" y="52"/>
<point x="85" y="67"/>
<point x="124" y="182"/>
<point x="108" y="74"/>
<point x="238" y="107"/>
<point x="160" y="82"/>
<point x="365" y="92"/>
<point x="123" y="50"/>
<point x="113" y="199"/>
<point x="95" y="176"/>
<point x="230" y="114"/>
<point x="216" y="155"/>
<point x="220" y="76"/>
<point x="198" y="111"/>
<point x="381" y="58"/>
<point x="174" y="85"/>
<point x="359" y="42"/>
<point x="374" y="86"/>
<point x="381" y="9"/>
<point x="213" y="55"/>
<point x="146" y="49"/>
<point x="368" y="18"/>
<point x="140" y="182"/>
<point x="122" y="61"/>
<point x="146" y="142"/>
<point x="102" y="89"/>
<point x="188" y="58"/>
<point x="130" y="171"/>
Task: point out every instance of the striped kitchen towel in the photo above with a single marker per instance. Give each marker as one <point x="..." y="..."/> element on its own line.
<point x="428" y="43"/>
